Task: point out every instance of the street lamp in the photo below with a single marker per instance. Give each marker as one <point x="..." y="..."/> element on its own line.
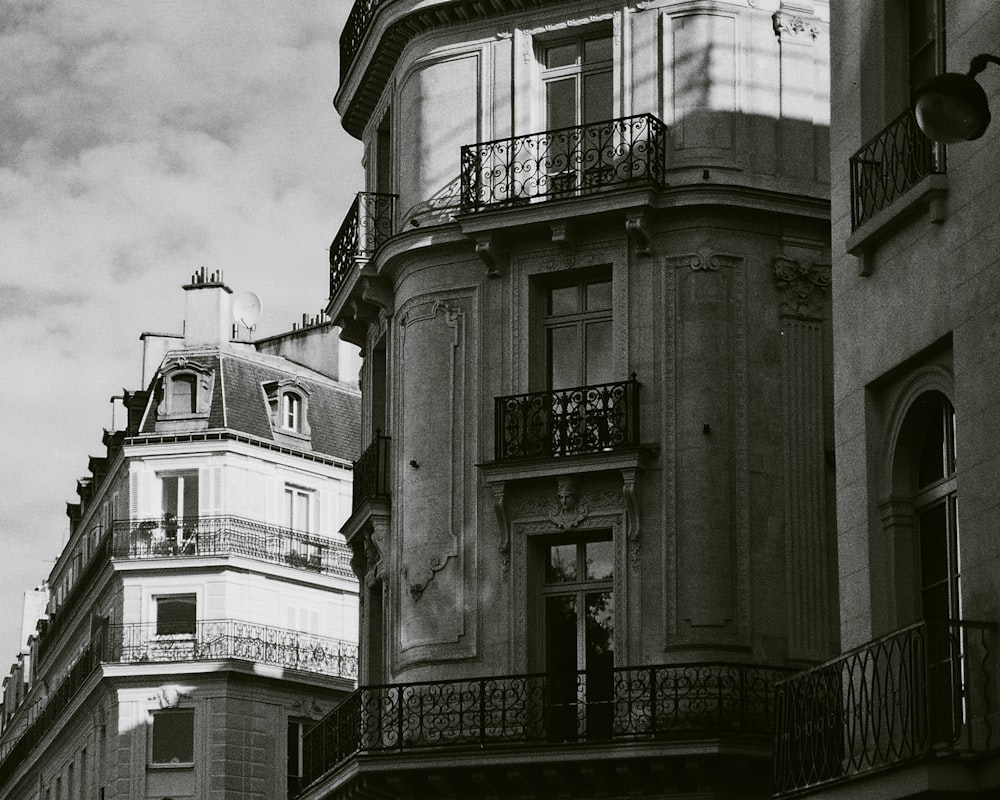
<point x="952" y="107"/>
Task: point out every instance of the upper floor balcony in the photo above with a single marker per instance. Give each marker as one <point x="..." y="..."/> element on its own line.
<point x="567" y="162"/>
<point x="564" y="422"/>
<point x="153" y="643"/>
<point x="367" y="226"/>
<point x="371" y="473"/>
<point x="677" y="702"/>
<point x="921" y="693"/>
<point x="187" y="537"/>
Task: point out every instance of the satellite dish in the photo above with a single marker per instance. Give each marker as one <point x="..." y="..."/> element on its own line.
<point x="246" y="309"/>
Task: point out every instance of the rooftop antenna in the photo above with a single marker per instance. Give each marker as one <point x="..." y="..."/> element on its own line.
<point x="246" y="312"/>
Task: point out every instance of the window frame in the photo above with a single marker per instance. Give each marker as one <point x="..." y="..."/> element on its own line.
<point x="278" y="395"/>
<point x="165" y="713"/>
<point x="176" y="598"/>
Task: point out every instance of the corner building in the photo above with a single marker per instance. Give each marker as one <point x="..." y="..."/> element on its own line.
<point x="910" y="707"/>
<point x="202" y="613"/>
<point x="589" y="277"/>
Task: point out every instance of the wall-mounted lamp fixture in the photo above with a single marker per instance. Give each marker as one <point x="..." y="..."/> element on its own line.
<point x="952" y="107"/>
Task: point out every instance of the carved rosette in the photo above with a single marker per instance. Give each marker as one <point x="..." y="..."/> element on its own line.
<point x="803" y="286"/>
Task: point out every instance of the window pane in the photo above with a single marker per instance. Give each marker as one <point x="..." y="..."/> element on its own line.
<point x="169" y="489"/>
<point x="600" y="560"/>
<point x="564" y="300"/>
<point x="597" y="97"/>
<point x="175" y="615"/>
<point x="600" y="630"/>
<point x="561" y="564"/>
<point x="597" y="50"/>
<point x="599" y="353"/>
<point x="173" y="737"/>
<point x="933" y="544"/>
<point x="932" y="455"/>
<point x="599" y="296"/>
<point x="564" y="357"/>
<point x="190" y="486"/>
<point x="183" y="395"/>
<point x="560" y="103"/>
<point x="560" y="55"/>
<point x="560" y="634"/>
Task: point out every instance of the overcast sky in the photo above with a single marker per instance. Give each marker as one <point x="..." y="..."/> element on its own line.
<point x="139" y="141"/>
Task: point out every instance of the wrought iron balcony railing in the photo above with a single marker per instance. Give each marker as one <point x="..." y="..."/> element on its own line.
<point x="563" y="422"/>
<point x="210" y="640"/>
<point x="206" y="640"/>
<point x="888" y="165"/>
<point x="355" y="30"/>
<point x="627" y="703"/>
<point x="371" y="472"/>
<point x="568" y="162"/>
<point x="367" y="226"/>
<point x="921" y="691"/>
<point x="225" y="536"/>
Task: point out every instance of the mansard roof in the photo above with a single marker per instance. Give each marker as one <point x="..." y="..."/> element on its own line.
<point x="238" y="381"/>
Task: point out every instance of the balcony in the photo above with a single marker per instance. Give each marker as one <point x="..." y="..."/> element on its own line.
<point x="210" y="640"/>
<point x="367" y="226"/>
<point x="371" y="473"/>
<point x="627" y="704"/>
<point x="228" y="536"/>
<point x="889" y="165"/>
<point x="919" y="693"/>
<point x="584" y="419"/>
<point x="567" y="162"/>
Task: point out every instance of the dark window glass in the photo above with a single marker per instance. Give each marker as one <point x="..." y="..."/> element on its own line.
<point x="173" y="737"/>
<point x="176" y="614"/>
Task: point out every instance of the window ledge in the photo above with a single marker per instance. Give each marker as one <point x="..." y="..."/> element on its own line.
<point x="930" y="193"/>
<point x="543" y="467"/>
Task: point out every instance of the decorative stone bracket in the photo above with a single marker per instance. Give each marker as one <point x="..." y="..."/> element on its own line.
<point x="637" y="230"/>
<point x="802" y="285"/>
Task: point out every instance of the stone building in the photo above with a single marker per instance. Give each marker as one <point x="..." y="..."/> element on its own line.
<point x="203" y="611"/>
<point x="910" y="707"/>
<point x="589" y="275"/>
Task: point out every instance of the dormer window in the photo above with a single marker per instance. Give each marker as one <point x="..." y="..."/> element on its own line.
<point x="288" y="408"/>
<point x="186" y="391"/>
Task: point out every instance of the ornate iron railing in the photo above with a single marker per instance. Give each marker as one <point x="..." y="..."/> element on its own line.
<point x="921" y="691"/>
<point x="367" y="226"/>
<point x="584" y="419"/>
<point x="208" y="640"/>
<point x="225" y="536"/>
<point x="214" y="639"/>
<point x="371" y="472"/>
<point x="627" y="703"/>
<point x="581" y="160"/>
<point x="888" y="165"/>
<point x="355" y="30"/>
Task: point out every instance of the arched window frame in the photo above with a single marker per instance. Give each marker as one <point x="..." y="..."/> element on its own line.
<point x="896" y="561"/>
<point x="201" y="380"/>
<point x="280" y="396"/>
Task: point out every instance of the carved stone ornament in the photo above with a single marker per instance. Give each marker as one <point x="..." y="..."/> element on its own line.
<point x="793" y="26"/>
<point x="802" y="285"/>
<point x="169" y="695"/>
<point x="569" y="512"/>
<point x="503" y="522"/>
<point x="704" y="261"/>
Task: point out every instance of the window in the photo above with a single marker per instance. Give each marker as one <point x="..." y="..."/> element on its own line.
<point x="186" y="391"/>
<point x="925" y="41"/>
<point x="176" y="614"/>
<point x="578" y="334"/>
<point x="179" y="495"/>
<point x="183" y="394"/>
<point x="577" y="77"/>
<point x="172" y="737"/>
<point x="578" y="610"/>
<point x="298" y="505"/>
<point x="291" y="411"/>
<point x="294" y="770"/>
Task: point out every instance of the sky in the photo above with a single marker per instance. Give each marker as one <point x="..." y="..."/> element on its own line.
<point x="138" y="142"/>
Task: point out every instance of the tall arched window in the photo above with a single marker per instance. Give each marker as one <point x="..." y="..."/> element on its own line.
<point x="935" y="506"/>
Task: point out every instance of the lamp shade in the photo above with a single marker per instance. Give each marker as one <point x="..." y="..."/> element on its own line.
<point x="951" y="108"/>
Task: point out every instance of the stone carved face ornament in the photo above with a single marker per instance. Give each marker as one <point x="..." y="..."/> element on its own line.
<point x="569" y="512"/>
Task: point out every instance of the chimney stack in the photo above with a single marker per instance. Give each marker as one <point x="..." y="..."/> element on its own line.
<point x="207" y="310"/>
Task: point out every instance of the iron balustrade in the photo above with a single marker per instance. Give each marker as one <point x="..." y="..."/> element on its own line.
<point x="889" y="164"/>
<point x="921" y="691"/>
<point x="562" y="422"/>
<point x="566" y="162"/>
<point x="226" y="536"/>
<point x="367" y="226"/>
<point x="626" y="703"/>
<point x="208" y="640"/>
<point x="355" y="29"/>
<point x="371" y="472"/>
<point x="216" y="639"/>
